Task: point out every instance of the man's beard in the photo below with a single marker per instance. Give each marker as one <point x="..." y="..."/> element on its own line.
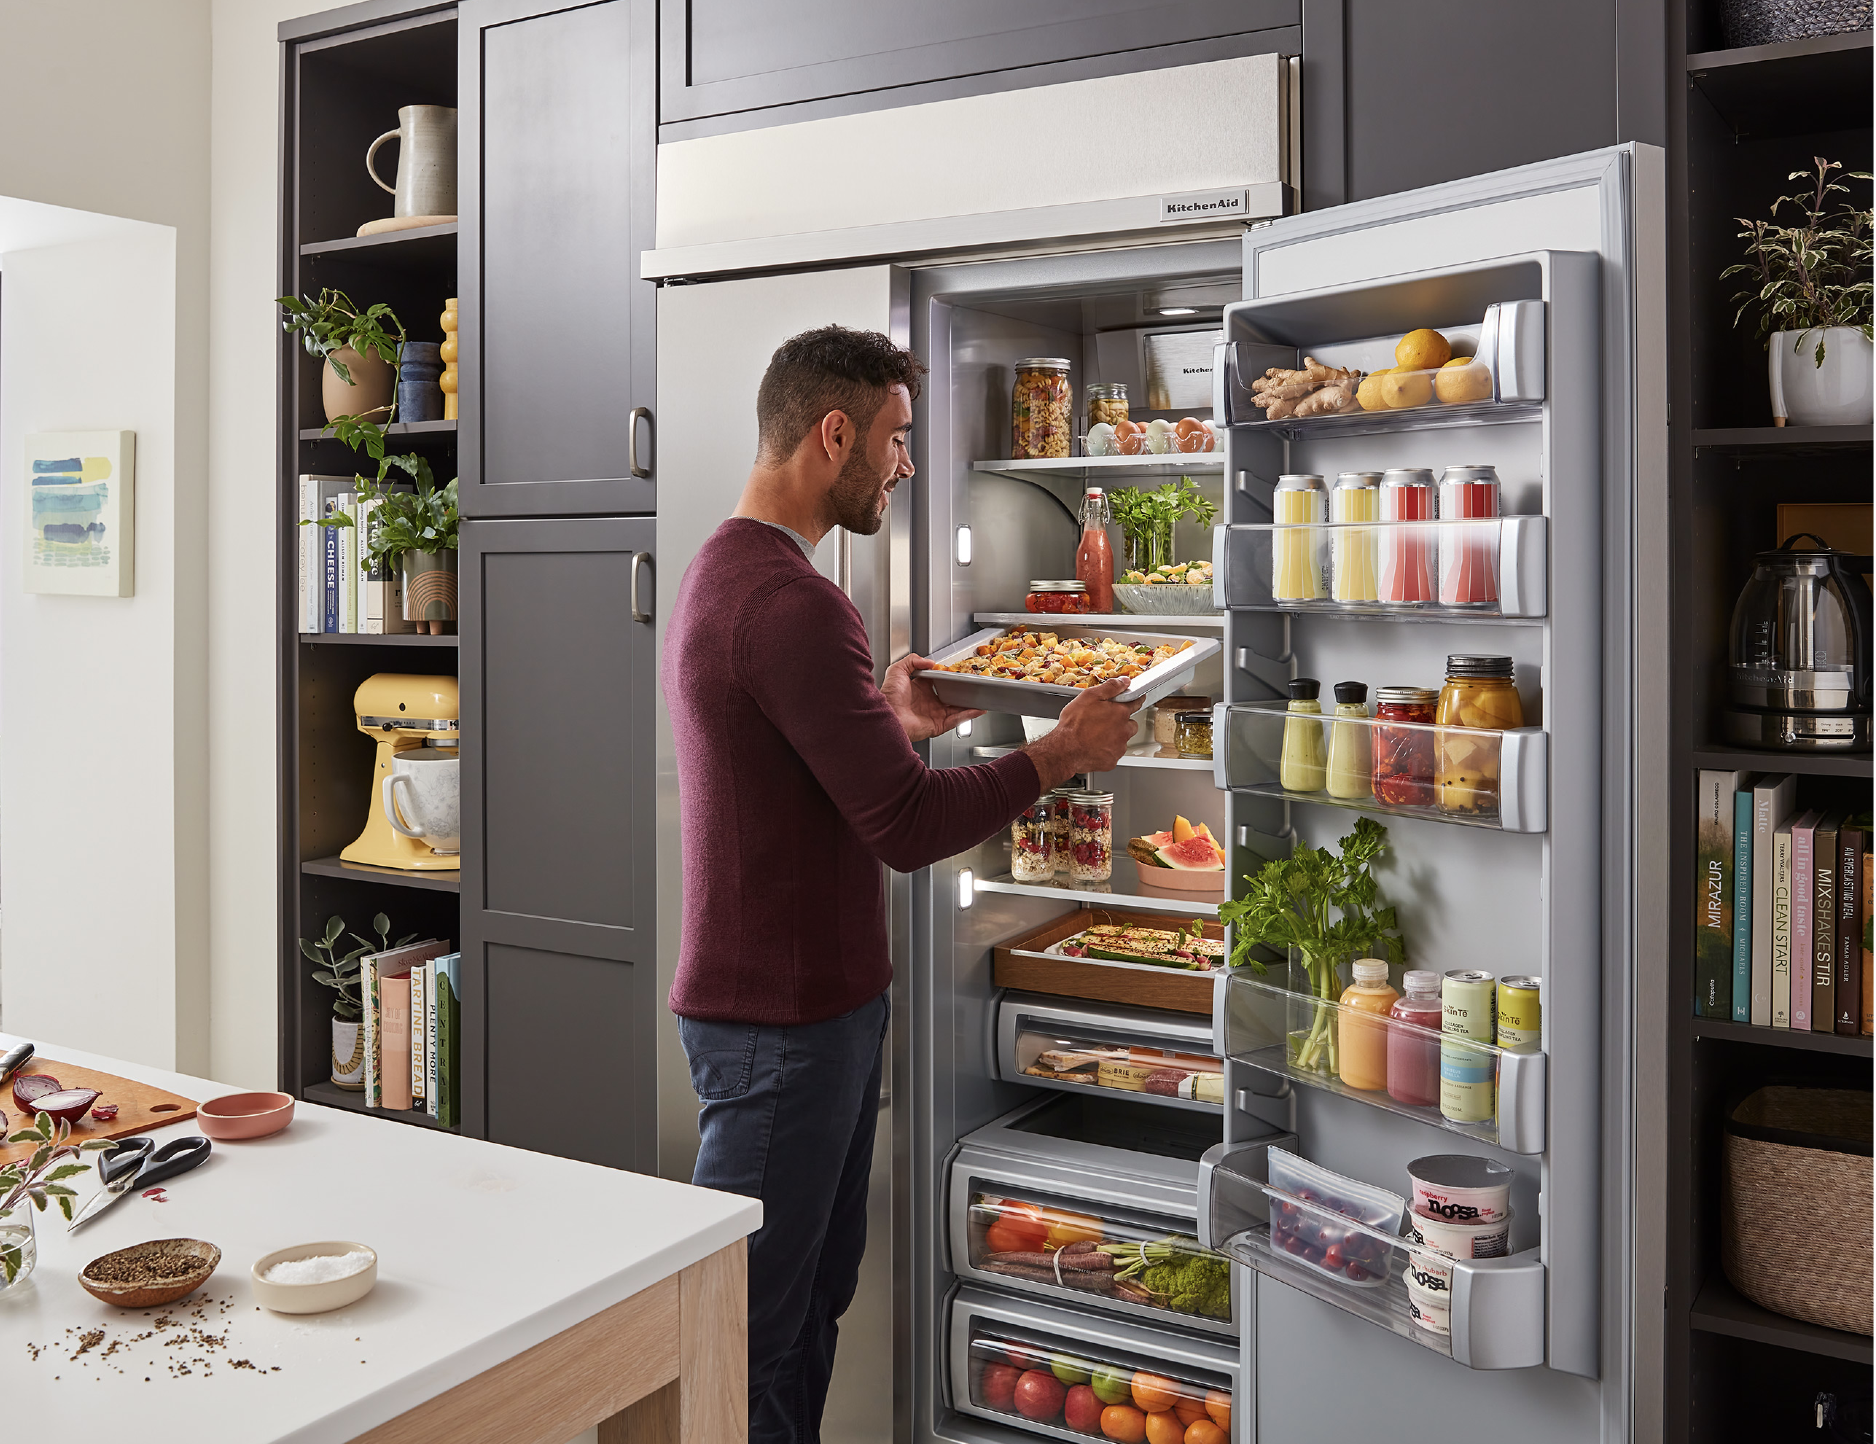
<point x="858" y="505"/>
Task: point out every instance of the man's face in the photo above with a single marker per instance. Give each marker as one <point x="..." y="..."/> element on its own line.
<point x="875" y="467"/>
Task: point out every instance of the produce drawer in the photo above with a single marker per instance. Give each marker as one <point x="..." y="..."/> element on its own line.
<point x="1160" y="1058"/>
<point x="1122" y="1242"/>
<point x="1034" y="963"/>
<point x="1065" y="1375"/>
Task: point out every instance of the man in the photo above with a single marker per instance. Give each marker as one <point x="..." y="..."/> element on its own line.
<point x="798" y="779"/>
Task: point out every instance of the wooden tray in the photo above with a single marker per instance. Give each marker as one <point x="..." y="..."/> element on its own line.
<point x="139" y="1106"/>
<point x="1021" y="963"/>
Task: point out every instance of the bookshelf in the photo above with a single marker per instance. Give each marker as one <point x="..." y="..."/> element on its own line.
<point x="344" y="76"/>
<point x="1739" y="121"/>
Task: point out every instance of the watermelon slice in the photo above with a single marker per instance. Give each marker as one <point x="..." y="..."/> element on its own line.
<point x="1159" y="839"/>
<point x="1195" y="854"/>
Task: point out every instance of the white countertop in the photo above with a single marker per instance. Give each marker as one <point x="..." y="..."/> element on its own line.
<point x="483" y="1252"/>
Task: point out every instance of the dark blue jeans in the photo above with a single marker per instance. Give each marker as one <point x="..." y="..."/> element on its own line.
<point x="788" y="1117"/>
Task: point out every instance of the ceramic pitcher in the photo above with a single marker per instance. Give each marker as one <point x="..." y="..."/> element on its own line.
<point x="423" y="797"/>
<point x="426" y="161"/>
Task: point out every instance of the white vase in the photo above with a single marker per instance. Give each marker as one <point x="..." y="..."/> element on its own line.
<point x="1805" y="393"/>
<point x="348" y="1055"/>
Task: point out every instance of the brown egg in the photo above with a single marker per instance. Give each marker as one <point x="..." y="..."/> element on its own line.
<point x="1127" y="428"/>
<point x="1187" y="425"/>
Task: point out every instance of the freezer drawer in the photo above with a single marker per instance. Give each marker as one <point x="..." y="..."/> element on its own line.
<point x="1123" y="1243"/>
<point x="1036" y="699"/>
<point x="1159" y="1058"/>
<point x="1055" y="1373"/>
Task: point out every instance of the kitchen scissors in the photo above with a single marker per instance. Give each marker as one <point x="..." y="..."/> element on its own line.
<point x="137" y="1163"/>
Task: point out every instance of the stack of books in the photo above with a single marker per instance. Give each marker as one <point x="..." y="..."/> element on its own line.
<point x="338" y="591"/>
<point x="1782" y="910"/>
<point x="413" y="1030"/>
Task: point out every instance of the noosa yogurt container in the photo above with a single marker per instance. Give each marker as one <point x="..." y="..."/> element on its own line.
<point x="1461" y="1240"/>
<point x="1461" y="1188"/>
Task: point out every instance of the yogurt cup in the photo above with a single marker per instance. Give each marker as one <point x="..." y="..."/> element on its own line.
<point x="1430" y="1305"/>
<point x="1461" y="1240"/>
<point x="1461" y="1188"/>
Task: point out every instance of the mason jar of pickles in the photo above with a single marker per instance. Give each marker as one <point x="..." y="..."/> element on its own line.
<point x="1479" y="701"/>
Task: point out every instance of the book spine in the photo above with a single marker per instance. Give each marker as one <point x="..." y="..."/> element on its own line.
<point x="1769" y="799"/>
<point x="1849" y="930"/>
<point x="395" y="1019"/>
<point x="1869" y="953"/>
<point x="368" y="978"/>
<point x="454" y="1057"/>
<point x="1824" y="929"/>
<point x="1742" y="906"/>
<point x="1803" y="893"/>
<point x="445" y="1042"/>
<point x="1713" y="923"/>
<point x="348" y="566"/>
<point x="329" y="571"/>
<point x="309" y="555"/>
<point x="432" y="1104"/>
<point x="370" y="601"/>
<point x="414" y="1058"/>
<point x="1781" y="928"/>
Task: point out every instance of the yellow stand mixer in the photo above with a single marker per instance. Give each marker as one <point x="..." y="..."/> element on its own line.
<point x="414" y="721"/>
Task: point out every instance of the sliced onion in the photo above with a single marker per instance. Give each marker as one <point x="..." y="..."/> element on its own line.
<point x="68" y="1106"/>
<point x="104" y="1112"/>
<point x="29" y="1086"/>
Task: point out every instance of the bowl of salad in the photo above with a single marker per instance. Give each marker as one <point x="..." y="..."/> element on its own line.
<point x="1183" y="589"/>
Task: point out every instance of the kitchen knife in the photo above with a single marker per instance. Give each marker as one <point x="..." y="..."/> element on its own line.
<point x="15" y="1059"/>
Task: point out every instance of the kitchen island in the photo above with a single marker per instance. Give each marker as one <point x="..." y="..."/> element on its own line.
<point x="520" y="1297"/>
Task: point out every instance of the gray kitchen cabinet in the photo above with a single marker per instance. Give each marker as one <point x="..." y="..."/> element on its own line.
<point x="558" y="906"/>
<point x="558" y="112"/>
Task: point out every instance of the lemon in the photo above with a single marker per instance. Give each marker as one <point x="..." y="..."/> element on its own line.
<point x="1406" y="388"/>
<point x="1422" y="350"/>
<point x="1461" y="379"/>
<point x="1369" y="392"/>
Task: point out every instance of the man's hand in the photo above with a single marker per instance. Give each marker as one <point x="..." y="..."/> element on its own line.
<point x="915" y="704"/>
<point x="1092" y="735"/>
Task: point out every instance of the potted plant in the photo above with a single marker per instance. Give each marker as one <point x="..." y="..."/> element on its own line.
<point x="1322" y="909"/>
<point x="361" y="350"/>
<point x="27" y="1183"/>
<point x="343" y="975"/>
<point x="1810" y="285"/>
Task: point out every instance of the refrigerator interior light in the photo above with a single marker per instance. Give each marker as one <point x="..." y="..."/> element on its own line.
<point x="967" y="887"/>
<point x="964" y="729"/>
<point x="1178" y="310"/>
<point x="964" y="546"/>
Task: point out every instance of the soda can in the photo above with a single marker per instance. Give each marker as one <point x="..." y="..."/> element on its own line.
<point x="1520" y="1015"/>
<point x="1406" y="570"/>
<point x="1469" y="554"/>
<point x="1468" y="1014"/>
<point x="1299" y="558"/>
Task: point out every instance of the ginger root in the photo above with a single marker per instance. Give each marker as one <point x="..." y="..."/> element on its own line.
<point x="1295" y="391"/>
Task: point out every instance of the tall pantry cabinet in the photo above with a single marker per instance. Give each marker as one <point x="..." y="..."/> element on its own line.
<point x="554" y="450"/>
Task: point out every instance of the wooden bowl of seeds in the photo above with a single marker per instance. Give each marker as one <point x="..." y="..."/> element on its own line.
<point x="146" y="1274"/>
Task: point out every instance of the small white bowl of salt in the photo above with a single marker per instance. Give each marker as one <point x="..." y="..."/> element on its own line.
<point x="314" y="1278"/>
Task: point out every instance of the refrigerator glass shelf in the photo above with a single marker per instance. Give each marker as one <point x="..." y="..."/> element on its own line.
<point x="1208" y="622"/>
<point x="1144" y="754"/>
<point x="1119" y="889"/>
<point x="1093" y="469"/>
<point x="1431" y="417"/>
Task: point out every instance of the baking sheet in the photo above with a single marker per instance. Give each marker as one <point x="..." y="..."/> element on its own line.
<point x="1042" y="699"/>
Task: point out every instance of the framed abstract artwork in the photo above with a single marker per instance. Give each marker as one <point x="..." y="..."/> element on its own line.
<point x="81" y="513"/>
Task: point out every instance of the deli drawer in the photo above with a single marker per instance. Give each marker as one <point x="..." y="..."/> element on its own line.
<point x="1166" y="1059"/>
<point x="1061" y="1374"/>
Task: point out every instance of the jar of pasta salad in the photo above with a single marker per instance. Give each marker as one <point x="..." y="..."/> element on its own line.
<point x="1090" y="836"/>
<point x="1031" y="858"/>
<point x="1042" y="409"/>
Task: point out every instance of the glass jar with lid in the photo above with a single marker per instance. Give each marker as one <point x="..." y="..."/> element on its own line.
<point x="1193" y="731"/>
<point x="1090" y="836"/>
<point x="1107" y="402"/>
<point x="1062" y="596"/>
<point x="1042" y="409"/>
<point x="1059" y="802"/>
<point x="1030" y="853"/>
<point x="1480" y="700"/>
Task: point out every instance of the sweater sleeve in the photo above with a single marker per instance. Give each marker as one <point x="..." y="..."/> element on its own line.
<point x="802" y="655"/>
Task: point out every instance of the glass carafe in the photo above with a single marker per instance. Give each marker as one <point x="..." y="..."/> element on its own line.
<point x="1799" y="657"/>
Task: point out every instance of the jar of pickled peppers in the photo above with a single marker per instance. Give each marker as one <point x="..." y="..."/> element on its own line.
<point x="1479" y="701"/>
<point x="1403" y="756"/>
<point x="1065" y="596"/>
<point x="1042" y="409"/>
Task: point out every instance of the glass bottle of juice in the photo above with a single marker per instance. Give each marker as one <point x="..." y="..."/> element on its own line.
<point x="1365" y="1040"/>
<point x="1351" y="753"/>
<point x="1094" y="559"/>
<point x="1413" y="1059"/>
<point x="1304" y="764"/>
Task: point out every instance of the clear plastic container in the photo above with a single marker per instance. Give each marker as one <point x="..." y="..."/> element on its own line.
<point x="1306" y="1224"/>
<point x="1074" y="1390"/>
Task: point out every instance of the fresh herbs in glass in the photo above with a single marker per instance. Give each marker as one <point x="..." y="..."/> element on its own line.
<point x="1146" y="520"/>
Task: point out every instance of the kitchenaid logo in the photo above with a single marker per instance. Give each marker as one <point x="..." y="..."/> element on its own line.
<point x="1202" y="206"/>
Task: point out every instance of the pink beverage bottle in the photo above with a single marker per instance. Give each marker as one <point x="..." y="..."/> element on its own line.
<point x="1405" y="569"/>
<point x="1413" y="1058"/>
<point x="1469" y="558"/>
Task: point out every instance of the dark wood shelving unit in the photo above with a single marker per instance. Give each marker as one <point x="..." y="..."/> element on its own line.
<point x="1744" y="119"/>
<point x="342" y="85"/>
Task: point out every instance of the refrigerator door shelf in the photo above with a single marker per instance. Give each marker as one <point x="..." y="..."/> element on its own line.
<point x="1350" y="569"/>
<point x="988" y="1330"/>
<point x="1040" y="699"/>
<point x="1409" y="759"/>
<point x="1261" y="1018"/>
<point x="985" y="1186"/>
<point x="1165" y="1059"/>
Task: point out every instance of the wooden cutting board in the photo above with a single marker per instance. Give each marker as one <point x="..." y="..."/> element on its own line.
<point x="139" y="1106"/>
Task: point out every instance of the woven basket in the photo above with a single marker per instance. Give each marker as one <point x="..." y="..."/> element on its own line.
<point x="1766" y="22"/>
<point x="1795" y="1214"/>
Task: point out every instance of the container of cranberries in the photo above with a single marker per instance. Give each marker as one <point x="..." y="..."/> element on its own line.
<point x="1090" y="836"/>
<point x="1070" y="597"/>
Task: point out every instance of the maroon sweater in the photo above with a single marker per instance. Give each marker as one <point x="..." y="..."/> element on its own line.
<point x="796" y="782"/>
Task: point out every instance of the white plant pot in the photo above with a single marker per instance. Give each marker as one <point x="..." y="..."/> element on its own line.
<point x="1804" y="393"/>
<point x="348" y="1055"/>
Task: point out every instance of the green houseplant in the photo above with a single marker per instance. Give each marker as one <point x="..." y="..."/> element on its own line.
<point x="1320" y="908"/>
<point x="1807" y="279"/>
<point x="342" y="972"/>
<point x="360" y="349"/>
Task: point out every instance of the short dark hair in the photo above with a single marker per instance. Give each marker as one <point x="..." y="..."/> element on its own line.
<point x="828" y="369"/>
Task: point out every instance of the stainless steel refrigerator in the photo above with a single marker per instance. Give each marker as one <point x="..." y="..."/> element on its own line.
<point x="1551" y="275"/>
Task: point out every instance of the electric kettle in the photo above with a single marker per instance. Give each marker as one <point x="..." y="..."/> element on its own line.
<point x="1799" y="673"/>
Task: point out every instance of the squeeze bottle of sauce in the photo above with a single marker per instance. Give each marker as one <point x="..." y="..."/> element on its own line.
<point x="1413" y="1059"/>
<point x="1303" y="766"/>
<point x="1351" y="751"/>
<point x="1365" y="1038"/>
<point x="1094" y="559"/>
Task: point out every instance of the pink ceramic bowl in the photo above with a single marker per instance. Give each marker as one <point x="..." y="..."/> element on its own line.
<point x="245" y="1115"/>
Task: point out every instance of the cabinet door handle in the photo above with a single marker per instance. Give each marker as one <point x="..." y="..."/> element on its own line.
<point x="639" y="413"/>
<point x="639" y="613"/>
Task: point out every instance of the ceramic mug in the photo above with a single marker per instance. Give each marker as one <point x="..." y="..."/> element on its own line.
<point x="422" y="797"/>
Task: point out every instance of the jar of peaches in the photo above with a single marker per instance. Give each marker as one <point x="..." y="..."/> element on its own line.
<point x="1479" y="701"/>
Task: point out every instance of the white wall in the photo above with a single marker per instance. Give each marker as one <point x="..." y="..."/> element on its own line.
<point x="104" y="109"/>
